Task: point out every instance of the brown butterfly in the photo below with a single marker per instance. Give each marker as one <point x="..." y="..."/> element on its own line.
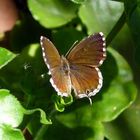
<point x="78" y="70"/>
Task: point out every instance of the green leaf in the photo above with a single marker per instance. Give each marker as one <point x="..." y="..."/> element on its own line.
<point x="5" y="57"/>
<point x="119" y="96"/>
<point x="71" y="35"/>
<point x="100" y="15"/>
<point x="61" y="102"/>
<point x="28" y="80"/>
<point x="20" y="75"/>
<point x="52" y="13"/>
<point x="130" y="121"/>
<point x="81" y="132"/>
<point x="12" y="112"/>
<point x="131" y="117"/>
<point x="43" y="119"/>
<point x="8" y="133"/>
<point x="10" y="109"/>
<point x="78" y="1"/>
<point x="113" y="132"/>
<point x="27" y="31"/>
<point x="79" y="124"/>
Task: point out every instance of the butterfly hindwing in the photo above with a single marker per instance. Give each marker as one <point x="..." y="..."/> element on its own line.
<point x="61" y="82"/>
<point x="86" y="81"/>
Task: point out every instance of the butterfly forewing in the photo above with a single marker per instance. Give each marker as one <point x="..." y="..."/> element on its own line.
<point x="91" y="51"/>
<point x="50" y="53"/>
<point x="60" y="81"/>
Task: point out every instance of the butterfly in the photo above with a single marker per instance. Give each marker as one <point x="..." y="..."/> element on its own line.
<point x="78" y="69"/>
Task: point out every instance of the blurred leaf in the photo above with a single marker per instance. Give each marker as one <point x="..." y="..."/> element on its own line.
<point x="113" y="131"/>
<point x="119" y="96"/>
<point x="78" y="1"/>
<point x="27" y="78"/>
<point x="21" y="73"/>
<point x="43" y="119"/>
<point x="131" y="120"/>
<point x="133" y="20"/>
<point x="126" y="125"/>
<point x="65" y="38"/>
<point x="8" y="133"/>
<point x="27" y="31"/>
<point x="81" y="132"/>
<point x="118" y="0"/>
<point x="79" y="124"/>
<point x="52" y="13"/>
<point x="100" y="15"/>
<point x="5" y="57"/>
<point x="12" y="112"/>
<point x="10" y="109"/>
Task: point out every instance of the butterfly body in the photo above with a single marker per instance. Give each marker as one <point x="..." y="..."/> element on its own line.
<point x="65" y="65"/>
<point x="78" y="70"/>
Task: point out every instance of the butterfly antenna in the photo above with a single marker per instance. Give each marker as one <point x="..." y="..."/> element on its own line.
<point x="90" y="100"/>
<point x="74" y="44"/>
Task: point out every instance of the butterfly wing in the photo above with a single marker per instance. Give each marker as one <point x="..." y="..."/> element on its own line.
<point x="86" y="81"/>
<point x="84" y="60"/>
<point x="91" y="51"/>
<point x="59" y="80"/>
<point x="50" y="53"/>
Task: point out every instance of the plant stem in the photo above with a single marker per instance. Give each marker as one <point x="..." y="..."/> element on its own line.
<point x="41" y="132"/>
<point x="27" y="118"/>
<point x="44" y="128"/>
<point x="116" y="29"/>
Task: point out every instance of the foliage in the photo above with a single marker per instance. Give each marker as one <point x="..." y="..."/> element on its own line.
<point x="25" y="86"/>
